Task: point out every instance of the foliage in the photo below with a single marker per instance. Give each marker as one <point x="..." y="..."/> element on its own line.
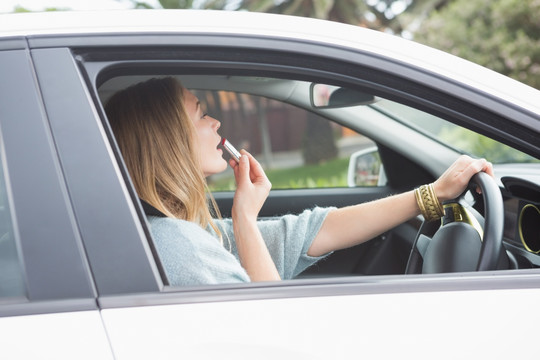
<point x="318" y="144"/>
<point x="482" y="146"/>
<point x="329" y="174"/>
<point x="374" y="14"/>
<point x="347" y="11"/>
<point x="176" y="4"/>
<point x="503" y="36"/>
<point x="141" y="5"/>
<point x="20" y="9"/>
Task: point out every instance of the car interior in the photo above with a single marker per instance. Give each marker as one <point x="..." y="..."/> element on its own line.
<point x="398" y="143"/>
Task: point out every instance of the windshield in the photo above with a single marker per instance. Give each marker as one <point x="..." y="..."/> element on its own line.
<point x="462" y="139"/>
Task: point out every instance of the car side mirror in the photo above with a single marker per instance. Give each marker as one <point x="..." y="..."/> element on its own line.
<point x="324" y="96"/>
<point x="366" y="168"/>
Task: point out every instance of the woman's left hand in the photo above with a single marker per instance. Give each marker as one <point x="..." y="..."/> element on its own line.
<point x="253" y="186"/>
<point x="455" y="179"/>
<point x="353" y="225"/>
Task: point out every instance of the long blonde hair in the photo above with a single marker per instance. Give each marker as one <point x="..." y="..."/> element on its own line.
<point x="158" y="143"/>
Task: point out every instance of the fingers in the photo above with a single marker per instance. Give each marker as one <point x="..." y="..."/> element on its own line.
<point x="252" y="186"/>
<point x="454" y="180"/>
<point x="248" y="169"/>
<point x="241" y="169"/>
<point x="256" y="171"/>
<point x="488" y="169"/>
<point x="473" y="167"/>
<point x="481" y="165"/>
<point x="477" y="165"/>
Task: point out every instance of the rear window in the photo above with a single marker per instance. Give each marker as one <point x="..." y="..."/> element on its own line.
<point x="11" y="274"/>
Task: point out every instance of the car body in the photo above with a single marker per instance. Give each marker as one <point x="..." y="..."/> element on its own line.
<point x="81" y="275"/>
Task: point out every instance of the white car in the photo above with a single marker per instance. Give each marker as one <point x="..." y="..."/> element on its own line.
<point x="79" y="274"/>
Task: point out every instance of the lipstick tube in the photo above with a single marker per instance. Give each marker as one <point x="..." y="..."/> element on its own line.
<point x="231" y="149"/>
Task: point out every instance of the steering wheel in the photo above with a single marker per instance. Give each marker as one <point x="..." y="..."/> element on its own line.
<point x="465" y="241"/>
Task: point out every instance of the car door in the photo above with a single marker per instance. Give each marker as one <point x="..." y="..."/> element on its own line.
<point x="347" y="317"/>
<point x="402" y="321"/>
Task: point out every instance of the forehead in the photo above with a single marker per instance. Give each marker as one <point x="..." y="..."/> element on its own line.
<point x="190" y="101"/>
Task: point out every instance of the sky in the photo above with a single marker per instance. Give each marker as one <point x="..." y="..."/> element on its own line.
<point x="7" y="6"/>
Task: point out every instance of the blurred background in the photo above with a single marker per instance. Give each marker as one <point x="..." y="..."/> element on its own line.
<point x="503" y="35"/>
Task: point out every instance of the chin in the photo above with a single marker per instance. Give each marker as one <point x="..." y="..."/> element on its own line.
<point x="223" y="167"/>
<point x="216" y="169"/>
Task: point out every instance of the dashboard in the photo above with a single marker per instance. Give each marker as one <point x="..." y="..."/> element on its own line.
<point x="522" y="220"/>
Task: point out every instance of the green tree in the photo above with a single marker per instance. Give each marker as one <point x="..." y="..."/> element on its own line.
<point x="407" y="21"/>
<point x="20" y="9"/>
<point x="395" y="16"/>
<point x="483" y="146"/>
<point x="318" y="144"/>
<point x="347" y="11"/>
<point x="175" y="4"/>
<point x="503" y="35"/>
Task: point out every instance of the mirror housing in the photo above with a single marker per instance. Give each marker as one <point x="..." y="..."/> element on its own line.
<point x="323" y="96"/>
<point x="366" y="168"/>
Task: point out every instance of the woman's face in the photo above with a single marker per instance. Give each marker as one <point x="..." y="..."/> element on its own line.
<point x="212" y="161"/>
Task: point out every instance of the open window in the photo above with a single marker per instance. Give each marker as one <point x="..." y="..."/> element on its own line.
<point x="366" y="146"/>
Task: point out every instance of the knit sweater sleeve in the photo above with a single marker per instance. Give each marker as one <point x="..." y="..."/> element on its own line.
<point x="192" y="256"/>
<point x="288" y="239"/>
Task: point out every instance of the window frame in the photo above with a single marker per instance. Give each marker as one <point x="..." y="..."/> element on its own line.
<point x="415" y="87"/>
<point x="113" y="238"/>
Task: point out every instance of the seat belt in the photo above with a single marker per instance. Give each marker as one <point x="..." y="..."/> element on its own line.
<point x="149" y="210"/>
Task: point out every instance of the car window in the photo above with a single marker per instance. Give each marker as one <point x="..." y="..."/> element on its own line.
<point x="11" y="275"/>
<point x="301" y="149"/>
<point x="465" y="140"/>
<point x="297" y="148"/>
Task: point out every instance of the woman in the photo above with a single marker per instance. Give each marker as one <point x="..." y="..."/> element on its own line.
<point x="170" y="145"/>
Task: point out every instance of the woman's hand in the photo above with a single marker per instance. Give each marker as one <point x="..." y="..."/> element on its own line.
<point x="455" y="179"/>
<point x="251" y="192"/>
<point x="353" y="225"/>
<point x="252" y="184"/>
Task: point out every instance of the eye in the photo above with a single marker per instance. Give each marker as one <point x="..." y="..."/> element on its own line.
<point x="204" y="115"/>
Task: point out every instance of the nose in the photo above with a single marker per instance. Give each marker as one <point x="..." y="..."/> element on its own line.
<point x="217" y="123"/>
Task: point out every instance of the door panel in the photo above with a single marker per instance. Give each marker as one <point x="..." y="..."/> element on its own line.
<point x="72" y="335"/>
<point x="380" y="326"/>
<point x="295" y="201"/>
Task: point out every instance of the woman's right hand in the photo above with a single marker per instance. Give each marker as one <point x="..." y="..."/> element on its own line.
<point x="252" y="186"/>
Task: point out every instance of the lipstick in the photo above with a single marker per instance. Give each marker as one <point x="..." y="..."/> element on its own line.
<point x="230" y="149"/>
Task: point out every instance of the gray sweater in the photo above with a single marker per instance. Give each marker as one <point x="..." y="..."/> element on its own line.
<point x="194" y="256"/>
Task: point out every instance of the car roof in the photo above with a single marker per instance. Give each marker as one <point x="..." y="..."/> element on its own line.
<point x="240" y="23"/>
